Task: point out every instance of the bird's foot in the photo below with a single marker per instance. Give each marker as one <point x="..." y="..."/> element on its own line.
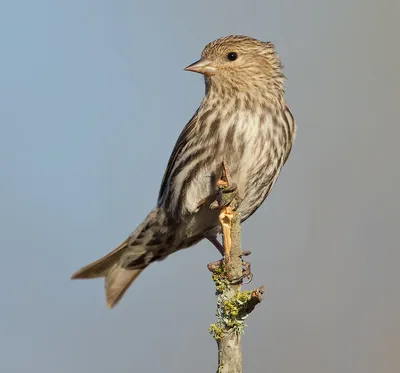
<point x="214" y="266"/>
<point x="222" y="199"/>
<point x="218" y="199"/>
<point x="245" y="274"/>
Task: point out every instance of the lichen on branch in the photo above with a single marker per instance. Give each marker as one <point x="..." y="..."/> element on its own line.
<point x="232" y="310"/>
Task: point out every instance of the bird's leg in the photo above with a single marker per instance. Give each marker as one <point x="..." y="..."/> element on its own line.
<point x="217" y="244"/>
<point x="214" y="265"/>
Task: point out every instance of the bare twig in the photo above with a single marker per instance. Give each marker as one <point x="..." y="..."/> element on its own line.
<point x="233" y="305"/>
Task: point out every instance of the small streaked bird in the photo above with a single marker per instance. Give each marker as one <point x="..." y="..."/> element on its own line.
<point x="243" y="124"/>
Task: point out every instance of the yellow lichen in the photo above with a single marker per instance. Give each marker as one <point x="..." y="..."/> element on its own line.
<point x="220" y="280"/>
<point x="232" y="308"/>
<point x="216" y="331"/>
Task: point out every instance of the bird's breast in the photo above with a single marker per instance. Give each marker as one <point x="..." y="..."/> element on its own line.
<point x="248" y="144"/>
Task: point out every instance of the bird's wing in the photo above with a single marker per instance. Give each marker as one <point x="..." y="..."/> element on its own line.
<point x="288" y="116"/>
<point x="176" y="152"/>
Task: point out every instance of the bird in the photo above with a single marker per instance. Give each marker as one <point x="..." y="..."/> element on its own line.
<point x="242" y="126"/>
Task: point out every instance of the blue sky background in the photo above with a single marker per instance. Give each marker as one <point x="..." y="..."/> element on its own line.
<point x="92" y="98"/>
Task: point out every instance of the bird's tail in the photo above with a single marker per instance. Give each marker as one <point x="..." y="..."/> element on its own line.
<point x="124" y="264"/>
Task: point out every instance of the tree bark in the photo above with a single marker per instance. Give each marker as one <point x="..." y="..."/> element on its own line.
<point x="233" y="305"/>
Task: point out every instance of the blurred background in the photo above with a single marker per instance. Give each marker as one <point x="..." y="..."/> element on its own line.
<point x="93" y="96"/>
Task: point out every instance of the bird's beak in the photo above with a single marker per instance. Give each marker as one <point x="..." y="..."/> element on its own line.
<point x="202" y="66"/>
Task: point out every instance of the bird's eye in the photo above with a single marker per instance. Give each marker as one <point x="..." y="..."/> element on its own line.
<point x="232" y="56"/>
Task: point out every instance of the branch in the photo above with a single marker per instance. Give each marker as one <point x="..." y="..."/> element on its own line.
<point x="233" y="305"/>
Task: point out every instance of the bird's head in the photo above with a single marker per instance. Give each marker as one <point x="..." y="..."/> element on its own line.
<point x="239" y="63"/>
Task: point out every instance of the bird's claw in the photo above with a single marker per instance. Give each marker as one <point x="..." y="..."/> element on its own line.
<point x="245" y="274"/>
<point x="219" y="202"/>
<point x="216" y="200"/>
<point x="213" y="266"/>
<point x="224" y="187"/>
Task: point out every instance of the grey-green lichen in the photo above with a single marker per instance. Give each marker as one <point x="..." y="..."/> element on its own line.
<point x="231" y="311"/>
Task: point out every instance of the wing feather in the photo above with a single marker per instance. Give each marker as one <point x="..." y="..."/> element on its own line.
<point x="176" y="152"/>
